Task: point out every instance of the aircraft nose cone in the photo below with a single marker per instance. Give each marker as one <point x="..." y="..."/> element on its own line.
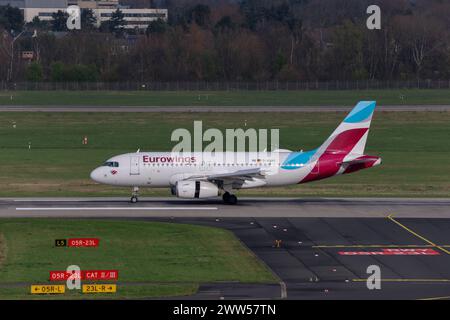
<point x="96" y="175"/>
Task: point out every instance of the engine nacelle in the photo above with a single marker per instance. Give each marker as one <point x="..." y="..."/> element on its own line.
<point x="196" y="189"/>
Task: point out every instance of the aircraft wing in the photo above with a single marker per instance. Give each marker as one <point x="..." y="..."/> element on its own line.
<point x="236" y="177"/>
<point x="240" y="175"/>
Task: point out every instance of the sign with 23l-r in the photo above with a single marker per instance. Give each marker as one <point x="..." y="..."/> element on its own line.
<point x="99" y="288"/>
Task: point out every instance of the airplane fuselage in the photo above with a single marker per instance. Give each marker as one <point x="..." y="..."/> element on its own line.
<point x="164" y="169"/>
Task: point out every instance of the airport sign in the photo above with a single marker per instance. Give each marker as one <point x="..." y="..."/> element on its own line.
<point x="392" y="252"/>
<point x="99" y="288"/>
<point x="83" y="242"/>
<point x="86" y="275"/>
<point x="60" y="243"/>
<point x="48" y="289"/>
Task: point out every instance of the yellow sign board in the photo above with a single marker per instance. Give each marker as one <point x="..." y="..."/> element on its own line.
<point x="99" y="288"/>
<point x="48" y="289"/>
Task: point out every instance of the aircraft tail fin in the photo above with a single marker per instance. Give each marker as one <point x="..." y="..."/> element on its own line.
<point x="351" y="135"/>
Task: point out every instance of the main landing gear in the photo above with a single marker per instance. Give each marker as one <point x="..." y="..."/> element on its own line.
<point x="229" y="198"/>
<point x="134" y="195"/>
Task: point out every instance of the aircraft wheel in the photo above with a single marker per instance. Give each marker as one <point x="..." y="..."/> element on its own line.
<point x="134" y="195"/>
<point x="226" y="197"/>
<point x="233" y="199"/>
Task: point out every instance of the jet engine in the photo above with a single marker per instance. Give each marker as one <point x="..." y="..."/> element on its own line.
<point x="195" y="189"/>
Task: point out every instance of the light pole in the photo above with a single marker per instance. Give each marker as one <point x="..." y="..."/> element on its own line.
<point x="12" y="56"/>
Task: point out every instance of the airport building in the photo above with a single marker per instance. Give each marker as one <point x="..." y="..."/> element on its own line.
<point x="92" y="4"/>
<point x="40" y="8"/>
<point x="102" y="9"/>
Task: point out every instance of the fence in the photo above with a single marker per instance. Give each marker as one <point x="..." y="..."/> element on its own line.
<point x="225" y="86"/>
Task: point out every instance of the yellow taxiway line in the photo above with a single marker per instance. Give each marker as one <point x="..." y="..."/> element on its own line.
<point x="390" y="217"/>
<point x="435" y="298"/>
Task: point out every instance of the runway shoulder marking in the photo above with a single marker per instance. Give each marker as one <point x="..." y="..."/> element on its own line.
<point x="111" y="208"/>
<point x="50" y="200"/>
<point x="390" y="217"/>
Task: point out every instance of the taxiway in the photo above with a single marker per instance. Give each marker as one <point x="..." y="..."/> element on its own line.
<point x="318" y="248"/>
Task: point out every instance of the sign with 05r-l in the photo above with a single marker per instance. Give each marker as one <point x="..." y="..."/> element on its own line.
<point x="48" y="289"/>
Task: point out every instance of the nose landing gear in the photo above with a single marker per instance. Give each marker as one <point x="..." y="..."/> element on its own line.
<point x="229" y="198"/>
<point x="134" y="195"/>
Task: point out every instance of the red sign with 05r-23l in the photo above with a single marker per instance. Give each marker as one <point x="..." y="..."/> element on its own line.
<point x="83" y="242"/>
<point x="85" y="275"/>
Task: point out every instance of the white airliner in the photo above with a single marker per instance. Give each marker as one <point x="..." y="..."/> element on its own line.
<point x="203" y="175"/>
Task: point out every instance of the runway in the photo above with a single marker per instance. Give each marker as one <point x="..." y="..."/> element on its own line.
<point x="247" y="207"/>
<point x="319" y="248"/>
<point x="195" y="109"/>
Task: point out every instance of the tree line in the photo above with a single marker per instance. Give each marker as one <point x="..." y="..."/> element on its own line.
<point x="241" y="40"/>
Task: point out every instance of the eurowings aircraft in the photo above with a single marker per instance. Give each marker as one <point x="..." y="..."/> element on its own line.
<point x="206" y="175"/>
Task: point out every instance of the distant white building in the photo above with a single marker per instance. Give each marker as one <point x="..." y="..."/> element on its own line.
<point x="43" y="9"/>
<point x="102" y="9"/>
<point x="95" y="4"/>
<point x="13" y="3"/>
<point x="135" y="18"/>
<point x="32" y="8"/>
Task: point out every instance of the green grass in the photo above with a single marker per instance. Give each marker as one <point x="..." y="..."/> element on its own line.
<point x="225" y="98"/>
<point x="123" y="292"/>
<point x="153" y="259"/>
<point x="415" y="148"/>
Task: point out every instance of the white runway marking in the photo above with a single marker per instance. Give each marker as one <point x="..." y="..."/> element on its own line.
<point x="114" y="208"/>
<point x="50" y="200"/>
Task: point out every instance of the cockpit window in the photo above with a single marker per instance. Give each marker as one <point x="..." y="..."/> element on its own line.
<point x="112" y="164"/>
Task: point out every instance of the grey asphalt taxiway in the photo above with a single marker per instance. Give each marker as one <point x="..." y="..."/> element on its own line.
<point x="317" y="248"/>
<point x="165" y="109"/>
